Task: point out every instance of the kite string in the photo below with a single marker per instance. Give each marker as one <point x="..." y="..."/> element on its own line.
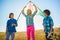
<point x="18" y="16"/>
<point x="20" y="13"/>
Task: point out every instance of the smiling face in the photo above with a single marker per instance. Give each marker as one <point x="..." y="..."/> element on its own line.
<point x="29" y="12"/>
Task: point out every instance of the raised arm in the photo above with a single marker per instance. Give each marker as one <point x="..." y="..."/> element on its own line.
<point x="23" y="11"/>
<point x="35" y="10"/>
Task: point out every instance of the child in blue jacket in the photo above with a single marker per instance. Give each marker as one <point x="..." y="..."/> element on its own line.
<point x="48" y="24"/>
<point x="11" y="27"/>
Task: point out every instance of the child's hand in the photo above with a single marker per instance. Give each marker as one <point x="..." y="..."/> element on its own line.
<point x="35" y="6"/>
<point x="29" y="1"/>
<point x="13" y="24"/>
<point x="24" y="8"/>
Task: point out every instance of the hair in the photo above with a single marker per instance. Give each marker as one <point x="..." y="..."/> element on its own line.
<point x="47" y="12"/>
<point x="30" y="11"/>
<point x="11" y="14"/>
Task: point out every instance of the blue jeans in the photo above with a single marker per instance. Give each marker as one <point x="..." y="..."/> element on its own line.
<point x="8" y="34"/>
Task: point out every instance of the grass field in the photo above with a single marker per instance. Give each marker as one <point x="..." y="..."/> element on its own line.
<point x="39" y="35"/>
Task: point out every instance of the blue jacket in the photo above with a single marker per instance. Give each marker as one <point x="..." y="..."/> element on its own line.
<point x="29" y="19"/>
<point x="47" y="23"/>
<point x="10" y="28"/>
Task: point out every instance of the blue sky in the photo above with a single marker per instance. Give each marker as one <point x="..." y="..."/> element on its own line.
<point x="15" y="6"/>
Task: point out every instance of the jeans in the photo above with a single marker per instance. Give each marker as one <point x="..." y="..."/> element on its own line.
<point x="8" y="34"/>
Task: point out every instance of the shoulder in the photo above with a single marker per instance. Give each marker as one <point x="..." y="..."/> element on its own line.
<point x="14" y="19"/>
<point x="45" y="17"/>
<point x="8" y="20"/>
<point x="50" y="17"/>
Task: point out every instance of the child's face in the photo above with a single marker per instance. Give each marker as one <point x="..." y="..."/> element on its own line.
<point x="29" y="12"/>
<point x="45" y="14"/>
<point x="12" y="16"/>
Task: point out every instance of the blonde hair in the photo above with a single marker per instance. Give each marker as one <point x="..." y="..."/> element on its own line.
<point x="30" y="11"/>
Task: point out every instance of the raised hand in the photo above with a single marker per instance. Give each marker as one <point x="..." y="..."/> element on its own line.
<point x="29" y="1"/>
<point x="35" y="6"/>
<point x="24" y="8"/>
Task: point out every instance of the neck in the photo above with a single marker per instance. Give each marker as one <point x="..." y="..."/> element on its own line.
<point x="29" y="14"/>
<point x="12" y="18"/>
<point x="47" y="15"/>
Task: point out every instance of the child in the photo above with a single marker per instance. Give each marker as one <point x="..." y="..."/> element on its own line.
<point x="29" y="22"/>
<point x="11" y="27"/>
<point x="48" y="24"/>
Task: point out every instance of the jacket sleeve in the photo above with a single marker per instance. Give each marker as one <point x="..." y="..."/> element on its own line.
<point x="24" y="14"/>
<point x="16" y="23"/>
<point x="34" y="13"/>
<point x="51" y="22"/>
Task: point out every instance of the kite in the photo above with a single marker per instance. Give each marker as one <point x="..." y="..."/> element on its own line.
<point x="30" y="6"/>
<point x="40" y="12"/>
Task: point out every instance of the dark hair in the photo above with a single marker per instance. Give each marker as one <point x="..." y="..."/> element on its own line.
<point x="11" y="14"/>
<point x="47" y="11"/>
